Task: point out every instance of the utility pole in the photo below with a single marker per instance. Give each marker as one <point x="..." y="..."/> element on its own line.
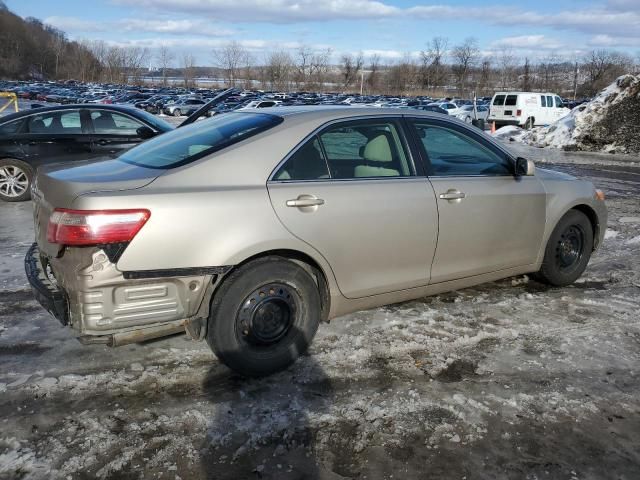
<point x="361" y="82"/>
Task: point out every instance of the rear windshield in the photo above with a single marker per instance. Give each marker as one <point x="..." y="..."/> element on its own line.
<point x="187" y="144"/>
<point x="499" y="100"/>
<point x="511" y="100"/>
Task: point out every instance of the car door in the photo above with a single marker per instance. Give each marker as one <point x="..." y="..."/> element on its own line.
<point x="54" y="136"/>
<point x="352" y="193"/>
<point x="489" y="220"/>
<point x="113" y="132"/>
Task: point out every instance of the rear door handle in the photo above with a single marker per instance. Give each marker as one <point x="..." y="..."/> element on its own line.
<point x="452" y="194"/>
<point x="305" y="201"/>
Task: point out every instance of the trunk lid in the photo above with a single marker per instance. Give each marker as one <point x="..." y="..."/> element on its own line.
<point x="58" y="187"/>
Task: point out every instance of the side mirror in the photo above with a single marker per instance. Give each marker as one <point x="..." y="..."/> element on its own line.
<point x="524" y="167"/>
<point x="145" y="132"/>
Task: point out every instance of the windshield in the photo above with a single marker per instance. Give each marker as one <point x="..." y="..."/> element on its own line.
<point x="187" y="144"/>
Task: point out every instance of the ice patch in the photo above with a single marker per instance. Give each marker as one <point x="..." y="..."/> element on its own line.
<point x="633" y="241"/>
<point x="629" y="219"/>
<point x="610" y="234"/>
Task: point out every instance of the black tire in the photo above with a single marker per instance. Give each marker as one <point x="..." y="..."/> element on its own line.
<point x="568" y="250"/>
<point x="264" y="315"/>
<point x="15" y="180"/>
<point x="528" y="125"/>
<point x="177" y="112"/>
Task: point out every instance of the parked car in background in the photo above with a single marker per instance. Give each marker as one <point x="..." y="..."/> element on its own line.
<point x="450" y="107"/>
<point x="242" y="230"/>
<point x="467" y="113"/>
<point x="184" y="106"/>
<point x="430" y="108"/>
<point x="47" y="135"/>
<point x="526" y="109"/>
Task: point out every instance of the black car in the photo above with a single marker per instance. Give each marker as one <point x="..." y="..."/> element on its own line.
<point x="66" y="133"/>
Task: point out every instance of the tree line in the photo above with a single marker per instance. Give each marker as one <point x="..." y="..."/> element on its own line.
<point x="31" y="49"/>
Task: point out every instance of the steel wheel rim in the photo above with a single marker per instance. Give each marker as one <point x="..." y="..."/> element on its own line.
<point x="266" y="316"/>
<point x="13" y="181"/>
<point x="570" y="247"/>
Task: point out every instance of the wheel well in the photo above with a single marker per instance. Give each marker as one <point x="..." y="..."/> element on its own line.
<point x="593" y="219"/>
<point x="310" y="265"/>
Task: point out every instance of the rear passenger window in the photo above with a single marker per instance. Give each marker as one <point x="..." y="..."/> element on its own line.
<point x="549" y="101"/>
<point x="499" y="100"/>
<point x="112" y="123"/>
<point x="511" y="100"/>
<point x="453" y="153"/>
<point x="365" y="149"/>
<point x="543" y="100"/>
<point x="60" y="122"/>
<point x="307" y="163"/>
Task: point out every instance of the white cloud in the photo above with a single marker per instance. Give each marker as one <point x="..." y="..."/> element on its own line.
<point x="608" y="41"/>
<point x="174" y="27"/>
<point x="528" y="42"/>
<point x="273" y="11"/>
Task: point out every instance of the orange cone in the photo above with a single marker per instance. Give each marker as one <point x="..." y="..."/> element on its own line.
<point x="493" y="127"/>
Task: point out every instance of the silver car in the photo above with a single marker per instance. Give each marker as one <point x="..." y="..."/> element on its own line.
<point x="252" y="228"/>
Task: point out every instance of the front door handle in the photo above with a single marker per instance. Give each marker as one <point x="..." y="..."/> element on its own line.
<point x="305" y="201"/>
<point x="102" y="142"/>
<point x="452" y="194"/>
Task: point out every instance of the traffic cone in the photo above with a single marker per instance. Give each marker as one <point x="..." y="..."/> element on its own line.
<point x="493" y="127"/>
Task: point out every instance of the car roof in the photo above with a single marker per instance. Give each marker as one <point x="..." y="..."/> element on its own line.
<point x="101" y="106"/>
<point x="335" y="112"/>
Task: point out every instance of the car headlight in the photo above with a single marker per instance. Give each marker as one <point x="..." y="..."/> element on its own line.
<point x="599" y="195"/>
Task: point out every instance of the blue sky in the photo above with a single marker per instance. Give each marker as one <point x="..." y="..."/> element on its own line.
<point x="389" y="28"/>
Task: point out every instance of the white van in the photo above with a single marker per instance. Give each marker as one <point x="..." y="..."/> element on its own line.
<point x="525" y="109"/>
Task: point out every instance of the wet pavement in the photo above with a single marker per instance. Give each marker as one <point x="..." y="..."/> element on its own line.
<point x="510" y="379"/>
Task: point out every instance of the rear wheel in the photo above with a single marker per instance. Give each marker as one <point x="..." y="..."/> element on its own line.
<point x="528" y="125"/>
<point x="264" y="316"/>
<point x="568" y="250"/>
<point x="15" y="180"/>
<point x="177" y="112"/>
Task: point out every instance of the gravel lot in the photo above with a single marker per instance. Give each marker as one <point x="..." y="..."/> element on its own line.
<point x="511" y="379"/>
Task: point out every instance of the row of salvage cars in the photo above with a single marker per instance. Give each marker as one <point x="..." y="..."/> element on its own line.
<point x="250" y="229"/>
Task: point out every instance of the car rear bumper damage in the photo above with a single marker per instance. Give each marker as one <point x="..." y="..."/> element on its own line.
<point x="51" y="298"/>
<point x="85" y="290"/>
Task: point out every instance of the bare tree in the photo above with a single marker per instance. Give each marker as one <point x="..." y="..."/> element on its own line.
<point x="350" y="67"/>
<point x="231" y="58"/>
<point x="318" y="69"/>
<point x="304" y="54"/>
<point x="506" y="62"/>
<point x="279" y="67"/>
<point x="602" y="67"/>
<point x="165" y="57"/>
<point x="486" y="77"/>
<point x="188" y="69"/>
<point x="373" y="77"/>
<point x="464" y="57"/>
<point x="433" y="71"/>
<point x="526" y="75"/>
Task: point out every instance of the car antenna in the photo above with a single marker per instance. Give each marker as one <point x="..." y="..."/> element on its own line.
<point x="208" y="106"/>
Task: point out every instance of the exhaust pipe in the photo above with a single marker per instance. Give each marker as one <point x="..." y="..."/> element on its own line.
<point x="133" y="336"/>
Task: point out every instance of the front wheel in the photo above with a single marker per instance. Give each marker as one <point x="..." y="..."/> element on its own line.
<point x="568" y="250"/>
<point x="177" y="112"/>
<point x="15" y="180"/>
<point x="264" y="316"/>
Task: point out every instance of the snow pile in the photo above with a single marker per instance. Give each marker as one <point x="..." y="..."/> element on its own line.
<point x="609" y="123"/>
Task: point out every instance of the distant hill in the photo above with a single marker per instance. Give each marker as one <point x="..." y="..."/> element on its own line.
<point x="31" y="49"/>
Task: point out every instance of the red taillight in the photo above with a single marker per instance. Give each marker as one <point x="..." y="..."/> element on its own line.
<point x="518" y="113"/>
<point x="94" y="227"/>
